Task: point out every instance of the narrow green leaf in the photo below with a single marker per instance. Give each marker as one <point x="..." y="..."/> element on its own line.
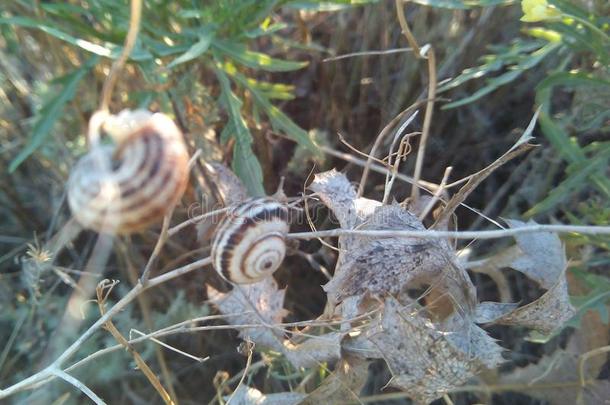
<point x="50" y="112"/>
<point x="571" y="151"/>
<point x="492" y="84"/>
<point x="575" y="182"/>
<point x="260" y="31"/>
<point x="255" y="60"/>
<point x="278" y="119"/>
<point x="502" y="56"/>
<point x="571" y="79"/>
<point x="245" y="163"/>
<point x="460" y="4"/>
<point x="321" y="5"/>
<point x="108" y="50"/>
<point x="247" y="167"/>
<point x="196" y="50"/>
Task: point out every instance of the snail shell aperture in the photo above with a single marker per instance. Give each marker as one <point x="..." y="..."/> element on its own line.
<point x="125" y="187"/>
<point x="250" y="244"/>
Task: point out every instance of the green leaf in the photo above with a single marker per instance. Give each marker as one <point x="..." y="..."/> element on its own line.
<point x="255" y="60"/>
<point x="576" y="181"/>
<point x="248" y="169"/>
<point x="50" y="112"/>
<point x="492" y="84"/>
<point x="196" y="50"/>
<point x="262" y="31"/>
<point x="460" y="4"/>
<point x="245" y="163"/>
<point x="502" y="56"/>
<point x="321" y="5"/>
<point x="595" y="300"/>
<point x="277" y="91"/>
<point x="570" y="151"/>
<point x="278" y="119"/>
<point x="109" y="50"/>
<point x="570" y="79"/>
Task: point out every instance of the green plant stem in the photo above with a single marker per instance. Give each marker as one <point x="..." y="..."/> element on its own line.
<point x="589" y="25"/>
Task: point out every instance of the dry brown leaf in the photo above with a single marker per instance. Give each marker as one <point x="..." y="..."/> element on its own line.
<point x="245" y="395"/>
<point x="543" y="256"/>
<point x="262" y="304"/>
<point x="258" y="304"/>
<point x="338" y="194"/>
<point x="556" y="379"/>
<point x="546" y="313"/>
<point x="487" y="312"/>
<point x="230" y="188"/>
<point x="314" y="351"/>
<point x="426" y="361"/>
<point x="343" y="385"/>
<point x="386" y="266"/>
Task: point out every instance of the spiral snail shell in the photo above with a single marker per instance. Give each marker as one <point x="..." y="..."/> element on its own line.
<point x="125" y="187"/>
<point x="250" y="244"/>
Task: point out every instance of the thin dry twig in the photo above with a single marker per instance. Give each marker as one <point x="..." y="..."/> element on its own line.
<point x="158" y="246"/>
<point x="192" y="221"/>
<point x="586" y="356"/>
<point x="426" y="52"/>
<point x="117" y="66"/>
<point x="426" y="185"/>
<point x="353" y="148"/>
<point x="437" y="194"/>
<point x="366" y="53"/>
<point x="250" y="348"/>
<point x="405" y="27"/>
<point x="378" y="141"/>
<point x="103" y="290"/>
<point x="432" y="234"/>
<point x="169" y="347"/>
<point x="475" y="180"/>
<point x="43" y="376"/>
<point x="404" y="149"/>
<point x="81" y="387"/>
<point x="421" y="150"/>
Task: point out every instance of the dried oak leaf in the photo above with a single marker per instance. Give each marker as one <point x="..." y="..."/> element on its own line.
<point x="314" y="351"/>
<point x="338" y="194"/>
<point x="344" y="384"/>
<point x="427" y="361"/>
<point x="555" y="378"/>
<point x="541" y="257"/>
<point x="261" y="304"/>
<point x="488" y="312"/>
<point x="245" y="395"/>
<point x="254" y="304"/>
<point x="545" y="314"/>
<point x="382" y="266"/>
<point x="228" y="188"/>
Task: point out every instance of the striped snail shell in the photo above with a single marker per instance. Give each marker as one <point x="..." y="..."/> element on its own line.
<point x="250" y="244"/>
<point x="131" y="184"/>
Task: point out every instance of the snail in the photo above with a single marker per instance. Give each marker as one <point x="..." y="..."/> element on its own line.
<point x="250" y="243"/>
<point x="125" y="187"/>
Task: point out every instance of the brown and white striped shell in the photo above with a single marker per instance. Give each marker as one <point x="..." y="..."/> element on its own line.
<point x="131" y="184"/>
<point x="250" y="244"/>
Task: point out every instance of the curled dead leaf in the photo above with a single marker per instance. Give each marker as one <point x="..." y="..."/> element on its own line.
<point x="259" y="304"/>
<point x="426" y="360"/>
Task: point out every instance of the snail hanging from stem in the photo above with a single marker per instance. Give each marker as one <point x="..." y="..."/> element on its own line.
<point x="250" y="243"/>
<point x="124" y="187"/>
